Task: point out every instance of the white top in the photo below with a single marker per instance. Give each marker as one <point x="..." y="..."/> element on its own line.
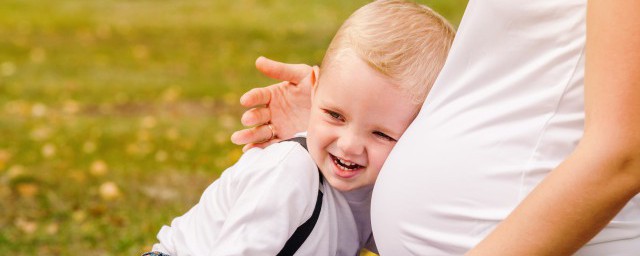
<point x="506" y="109"/>
<point x="255" y="206"/>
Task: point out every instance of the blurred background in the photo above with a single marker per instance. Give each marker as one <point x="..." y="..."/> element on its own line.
<point x="115" y="115"/>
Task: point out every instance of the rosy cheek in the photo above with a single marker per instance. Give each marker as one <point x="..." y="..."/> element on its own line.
<point x="382" y="156"/>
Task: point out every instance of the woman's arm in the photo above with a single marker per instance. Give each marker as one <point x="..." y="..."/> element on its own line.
<point x="576" y="200"/>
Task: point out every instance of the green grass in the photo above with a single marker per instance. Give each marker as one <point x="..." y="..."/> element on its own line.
<point x="115" y="115"/>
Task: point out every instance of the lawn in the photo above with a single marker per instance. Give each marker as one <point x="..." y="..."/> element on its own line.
<point x="115" y="115"/>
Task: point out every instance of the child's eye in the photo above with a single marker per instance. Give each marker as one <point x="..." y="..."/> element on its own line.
<point x="334" y="115"/>
<point x="384" y="136"/>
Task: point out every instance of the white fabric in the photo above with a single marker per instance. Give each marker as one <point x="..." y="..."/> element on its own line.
<point x="359" y="201"/>
<point x="255" y="206"/>
<point x="506" y="109"/>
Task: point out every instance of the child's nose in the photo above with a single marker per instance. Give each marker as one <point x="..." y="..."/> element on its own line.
<point x="351" y="144"/>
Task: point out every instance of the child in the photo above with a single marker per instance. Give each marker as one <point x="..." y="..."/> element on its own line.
<point x="376" y="73"/>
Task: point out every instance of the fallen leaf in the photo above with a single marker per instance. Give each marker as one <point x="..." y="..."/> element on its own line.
<point x="48" y="150"/>
<point x="99" y="168"/>
<point x="109" y="191"/>
<point x="38" y="110"/>
<point x="27" y="190"/>
<point x="26" y="226"/>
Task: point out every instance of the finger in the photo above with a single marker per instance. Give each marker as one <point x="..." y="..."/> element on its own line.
<point x="257" y="134"/>
<point x="256" y="116"/>
<point x="243" y="137"/>
<point x="259" y="145"/>
<point x="256" y="97"/>
<point x="293" y="73"/>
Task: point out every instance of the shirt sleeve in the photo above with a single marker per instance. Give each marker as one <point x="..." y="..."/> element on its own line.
<point x="273" y="199"/>
<point x="252" y="209"/>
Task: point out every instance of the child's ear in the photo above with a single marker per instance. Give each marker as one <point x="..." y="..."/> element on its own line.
<point x="315" y="74"/>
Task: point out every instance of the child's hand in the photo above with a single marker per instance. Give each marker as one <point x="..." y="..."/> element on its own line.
<point x="278" y="111"/>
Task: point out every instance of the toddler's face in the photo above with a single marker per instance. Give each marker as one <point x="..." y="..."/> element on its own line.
<point x="357" y="115"/>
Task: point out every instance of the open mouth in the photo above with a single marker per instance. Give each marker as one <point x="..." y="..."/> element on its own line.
<point x="344" y="164"/>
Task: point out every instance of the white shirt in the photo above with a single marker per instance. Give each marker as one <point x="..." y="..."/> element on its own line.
<point x="506" y="109"/>
<point x="255" y="206"/>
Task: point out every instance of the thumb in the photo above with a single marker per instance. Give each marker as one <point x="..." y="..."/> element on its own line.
<point x="293" y="73"/>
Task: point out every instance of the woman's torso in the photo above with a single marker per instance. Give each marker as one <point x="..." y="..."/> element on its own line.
<point x="506" y="109"/>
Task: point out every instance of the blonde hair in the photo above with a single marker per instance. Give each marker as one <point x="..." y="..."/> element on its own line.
<point x="404" y="41"/>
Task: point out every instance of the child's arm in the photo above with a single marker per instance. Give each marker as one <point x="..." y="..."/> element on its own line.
<point x="271" y="205"/>
<point x="251" y="210"/>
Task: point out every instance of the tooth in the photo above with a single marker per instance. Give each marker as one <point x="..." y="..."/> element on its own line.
<point x="345" y="165"/>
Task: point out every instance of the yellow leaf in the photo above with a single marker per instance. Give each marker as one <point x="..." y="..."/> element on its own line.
<point x="28" y="190"/>
<point x="99" y="168"/>
<point x="109" y="191"/>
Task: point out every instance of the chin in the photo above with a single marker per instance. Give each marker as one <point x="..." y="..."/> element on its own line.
<point x="342" y="186"/>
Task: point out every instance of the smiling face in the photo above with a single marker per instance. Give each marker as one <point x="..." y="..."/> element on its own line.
<point x="357" y="115"/>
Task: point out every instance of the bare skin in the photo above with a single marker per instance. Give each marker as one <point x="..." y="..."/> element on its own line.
<point x="576" y="200"/>
<point x="285" y="105"/>
<point x="592" y="185"/>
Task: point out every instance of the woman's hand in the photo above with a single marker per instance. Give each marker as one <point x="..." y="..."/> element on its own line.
<point x="278" y="111"/>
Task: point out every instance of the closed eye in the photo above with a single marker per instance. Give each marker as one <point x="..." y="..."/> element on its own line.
<point x="384" y="136"/>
